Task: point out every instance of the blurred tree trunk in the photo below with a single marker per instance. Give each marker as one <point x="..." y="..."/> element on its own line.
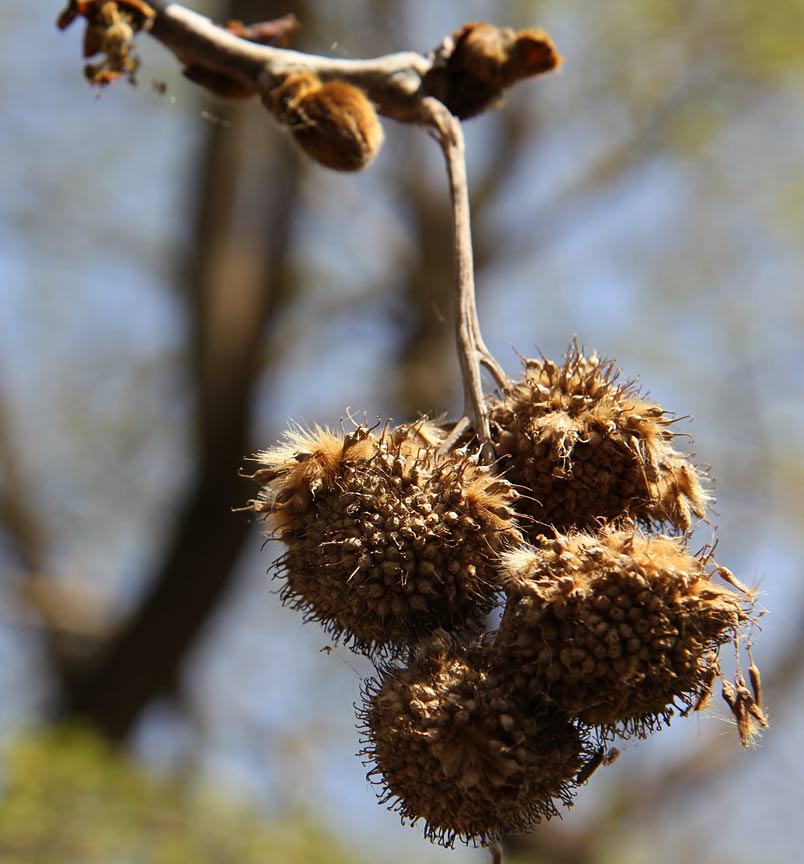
<point x="236" y="278"/>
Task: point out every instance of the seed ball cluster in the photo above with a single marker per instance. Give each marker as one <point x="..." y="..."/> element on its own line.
<point x="454" y="746"/>
<point x="588" y="449"/>
<point x="385" y="539"/>
<point x="401" y="546"/>
<point x="617" y="628"/>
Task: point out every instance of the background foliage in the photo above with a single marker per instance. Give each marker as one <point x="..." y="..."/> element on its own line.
<point x="69" y="797"/>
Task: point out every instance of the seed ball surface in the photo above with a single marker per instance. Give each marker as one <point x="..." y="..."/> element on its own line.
<point x="587" y="449"/>
<point x="385" y="538"/>
<point x="616" y="628"/>
<point x="452" y="746"/>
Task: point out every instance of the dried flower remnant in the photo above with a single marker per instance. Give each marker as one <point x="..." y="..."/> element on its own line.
<point x="110" y="29"/>
<point x="334" y="122"/>
<point x="589" y="449"/>
<point x="745" y="707"/>
<point x="451" y="745"/>
<point x="619" y="628"/>
<point x="386" y="540"/>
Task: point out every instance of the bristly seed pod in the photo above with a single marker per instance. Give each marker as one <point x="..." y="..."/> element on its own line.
<point x="334" y="122"/>
<point x="618" y="629"/>
<point x="386" y="539"/>
<point x="451" y="745"/>
<point x="587" y="449"/>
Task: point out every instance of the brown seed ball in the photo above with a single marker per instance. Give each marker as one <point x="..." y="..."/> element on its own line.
<point x="589" y="449"/>
<point x="334" y="122"/>
<point x="451" y="745"/>
<point x="616" y="628"/>
<point x="386" y="539"/>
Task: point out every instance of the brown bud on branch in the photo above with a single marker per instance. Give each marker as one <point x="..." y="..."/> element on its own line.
<point x="480" y="61"/>
<point x="333" y="122"/>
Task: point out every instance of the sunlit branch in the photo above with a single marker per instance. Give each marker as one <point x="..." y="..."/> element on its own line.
<point x="393" y="82"/>
<point x="329" y="106"/>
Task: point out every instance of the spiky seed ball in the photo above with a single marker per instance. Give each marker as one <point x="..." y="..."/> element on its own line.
<point x="617" y="628"/>
<point x="451" y="745"/>
<point x="588" y="448"/>
<point x="386" y="539"/>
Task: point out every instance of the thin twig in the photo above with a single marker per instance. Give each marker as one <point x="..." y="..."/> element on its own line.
<point x="496" y="852"/>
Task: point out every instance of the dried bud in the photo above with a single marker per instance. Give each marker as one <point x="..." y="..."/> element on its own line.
<point x="333" y="122"/>
<point x="616" y="628"/>
<point x="500" y="57"/>
<point x="588" y="448"/>
<point x="480" y="61"/>
<point x="452" y="746"/>
<point x="386" y="539"/>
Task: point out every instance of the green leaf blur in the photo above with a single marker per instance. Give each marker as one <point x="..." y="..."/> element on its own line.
<point x="68" y="798"/>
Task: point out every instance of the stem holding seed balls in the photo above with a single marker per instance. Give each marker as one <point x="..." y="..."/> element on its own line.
<point x="472" y="351"/>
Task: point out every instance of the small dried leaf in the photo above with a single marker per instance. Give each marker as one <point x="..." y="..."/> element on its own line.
<point x="219" y="83"/>
<point x="756" y="681"/>
<point x="67" y="16"/>
<point x="93" y="41"/>
<point x="277" y="33"/>
<point x="707" y="685"/>
<point x="749" y="716"/>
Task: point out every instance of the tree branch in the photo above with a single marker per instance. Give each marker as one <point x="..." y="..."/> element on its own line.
<point x="329" y="106"/>
<point x="392" y="82"/>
